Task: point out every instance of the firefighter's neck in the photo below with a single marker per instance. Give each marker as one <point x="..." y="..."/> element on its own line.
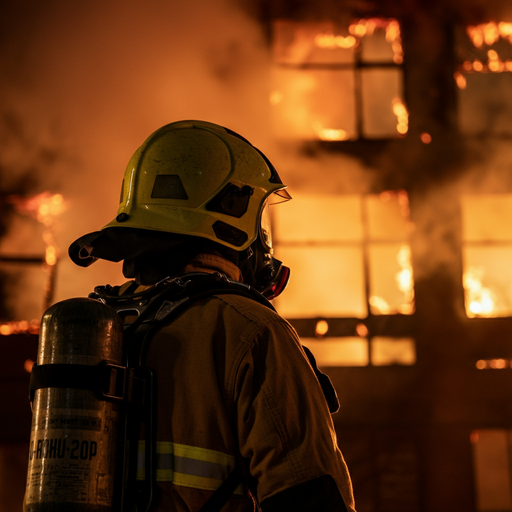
<point x="211" y="263"/>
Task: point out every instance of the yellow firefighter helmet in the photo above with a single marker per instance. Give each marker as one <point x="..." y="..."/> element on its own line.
<point x="200" y="179"/>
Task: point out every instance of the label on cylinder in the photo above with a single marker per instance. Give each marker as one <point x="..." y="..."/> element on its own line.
<point x="72" y="456"/>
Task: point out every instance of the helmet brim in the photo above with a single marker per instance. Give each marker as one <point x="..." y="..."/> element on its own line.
<point x="117" y="244"/>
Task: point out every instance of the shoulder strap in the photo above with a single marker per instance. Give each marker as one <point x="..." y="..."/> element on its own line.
<point x="146" y="304"/>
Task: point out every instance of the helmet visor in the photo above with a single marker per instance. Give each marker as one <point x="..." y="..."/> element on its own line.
<point x="265" y="234"/>
<point x="280" y="196"/>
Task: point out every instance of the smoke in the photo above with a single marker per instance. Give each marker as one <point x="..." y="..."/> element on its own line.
<point x="83" y="84"/>
<point x="86" y="83"/>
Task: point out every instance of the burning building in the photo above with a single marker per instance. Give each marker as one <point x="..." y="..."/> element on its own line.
<point x="390" y="122"/>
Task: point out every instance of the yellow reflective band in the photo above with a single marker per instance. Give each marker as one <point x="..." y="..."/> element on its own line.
<point x="194" y="452"/>
<point x="189" y="466"/>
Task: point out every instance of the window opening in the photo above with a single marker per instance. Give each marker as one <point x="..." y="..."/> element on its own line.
<point x="338" y="83"/>
<point x="350" y="259"/>
<point x="484" y="78"/>
<point x="486" y="254"/>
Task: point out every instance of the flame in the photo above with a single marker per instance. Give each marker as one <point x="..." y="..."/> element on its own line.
<point x="460" y="79"/>
<point x="380" y="304"/>
<point x="402" y="116"/>
<point x="364" y="27"/>
<point x="22" y="327"/>
<point x="44" y="207"/>
<point x="404" y="279"/>
<point x="405" y="283"/>
<point x="488" y="34"/>
<point x="330" y="41"/>
<point x="480" y="301"/>
<point x="330" y="134"/>
<point x="493" y="364"/>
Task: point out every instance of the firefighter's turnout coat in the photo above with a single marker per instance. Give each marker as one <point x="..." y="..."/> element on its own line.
<point x="235" y="388"/>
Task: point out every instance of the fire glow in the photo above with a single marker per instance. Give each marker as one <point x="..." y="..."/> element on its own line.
<point x="330" y="41"/>
<point x="21" y="327"/>
<point x="328" y="77"/>
<point x="493" y="364"/>
<point x="486" y="34"/>
<point x="489" y="33"/>
<point x="402" y="116"/>
<point x="366" y="27"/>
<point x="404" y="282"/>
<point x="480" y="300"/>
<point x="361" y="28"/>
<point x="45" y="208"/>
<point x="329" y="134"/>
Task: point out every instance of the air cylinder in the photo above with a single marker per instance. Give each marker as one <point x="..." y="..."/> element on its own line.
<point x="73" y="443"/>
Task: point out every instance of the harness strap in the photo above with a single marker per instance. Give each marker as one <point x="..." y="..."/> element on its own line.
<point x="110" y="382"/>
<point x="220" y="497"/>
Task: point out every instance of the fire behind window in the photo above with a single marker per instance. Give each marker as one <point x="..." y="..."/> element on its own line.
<point x="487" y="253"/>
<point x="484" y="78"/>
<point x="336" y="84"/>
<point x="350" y="259"/>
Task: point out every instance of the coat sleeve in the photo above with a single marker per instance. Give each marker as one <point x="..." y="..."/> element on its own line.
<point x="285" y="430"/>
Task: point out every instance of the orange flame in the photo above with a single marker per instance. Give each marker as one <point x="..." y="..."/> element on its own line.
<point x="493" y="364"/>
<point x="22" y="327"/>
<point x="402" y="116"/>
<point x="460" y="80"/>
<point x="480" y="300"/>
<point x="44" y="207"/>
<point x="363" y="27"/>
<point x="331" y="41"/>
<point x="487" y="34"/>
<point x="330" y="134"/>
<point x="405" y="283"/>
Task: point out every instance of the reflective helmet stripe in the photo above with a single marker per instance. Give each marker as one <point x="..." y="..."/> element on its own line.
<point x="189" y="466"/>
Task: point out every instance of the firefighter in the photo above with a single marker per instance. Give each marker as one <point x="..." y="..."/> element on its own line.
<point x="237" y="397"/>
